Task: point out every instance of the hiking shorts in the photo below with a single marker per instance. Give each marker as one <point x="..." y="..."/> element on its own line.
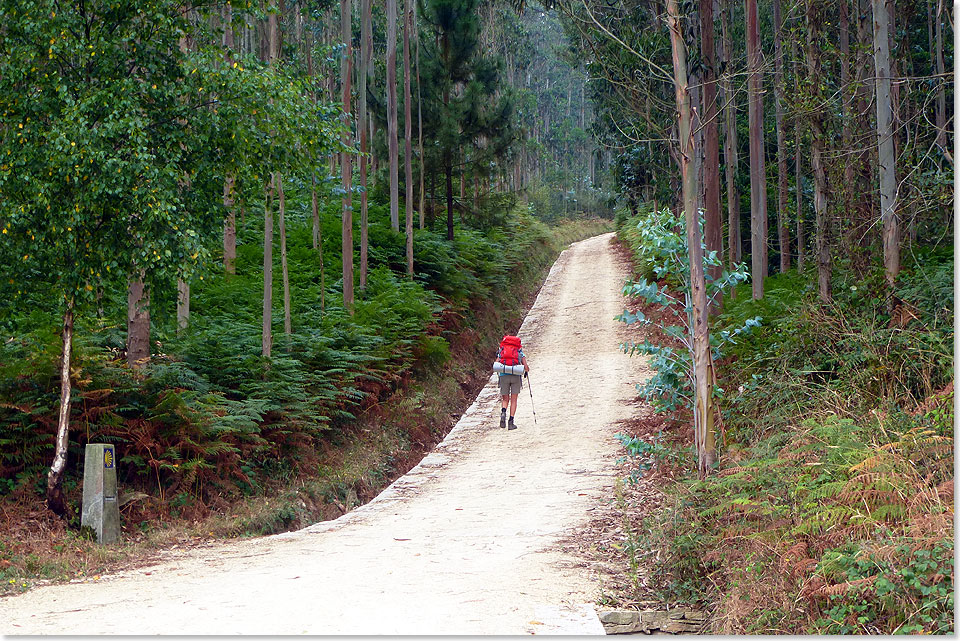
<point x="510" y="384"/>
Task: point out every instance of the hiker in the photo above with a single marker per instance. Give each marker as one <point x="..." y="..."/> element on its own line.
<point x="510" y="359"/>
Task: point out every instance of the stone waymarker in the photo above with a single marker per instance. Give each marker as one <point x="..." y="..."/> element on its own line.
<point x="653" y="622"/>
<point x="101" y="511"/>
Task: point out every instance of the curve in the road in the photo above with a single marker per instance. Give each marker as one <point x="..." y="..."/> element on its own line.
<point x="465" y="543"/>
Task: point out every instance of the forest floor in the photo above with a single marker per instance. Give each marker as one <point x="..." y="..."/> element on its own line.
<point x="479" y="538"/>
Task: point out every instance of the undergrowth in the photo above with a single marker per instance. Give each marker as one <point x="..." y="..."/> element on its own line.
<point x="211" y="434"/>
<point x="831" y="511"/>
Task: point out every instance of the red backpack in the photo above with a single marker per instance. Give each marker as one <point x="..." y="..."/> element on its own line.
<point x="510" y="350"/>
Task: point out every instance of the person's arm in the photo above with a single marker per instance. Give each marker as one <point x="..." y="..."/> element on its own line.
<point x="526" y="368"/>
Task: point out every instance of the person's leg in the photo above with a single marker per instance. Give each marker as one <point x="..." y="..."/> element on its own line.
<point x="513" y="410"/>
<point x="504" y="399"/>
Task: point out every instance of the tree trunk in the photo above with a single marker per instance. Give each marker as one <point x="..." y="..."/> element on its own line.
<point x="345" y="159"/>
<point x="183" y="304"/>
<point x="866" y="210"/>
<point x="282" y="212"/>
<point x="266" y="341"/>
<point x="941" y="81"/>
<point x="366" y="50"/>
<point x="393" y="146"/>
<point x="798" y="160"/>
<point x="887" y="157"/>
<point x="817" y="144"/>
<point x="758" y="173"/>
<point x="266" y="338"/>
<point x="138" y="324"/>
<point x="229" y="228"/>
<point x="408" y="134"/>
<point x="230" y="225"/>
<point x="731" y="154"/>
<point x="317" y="238"/>
<point x="56" y="501"/>
<point x="315" y="210"/>
<point x="713" y="225"/>
<point x="449" y="175"/>
<point x="416" y="35"/>
<point x="783" y="233"/>
<point x="702" y="361"/>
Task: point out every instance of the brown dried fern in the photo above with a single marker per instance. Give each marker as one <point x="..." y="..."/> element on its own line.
<point x="841" y="588"/>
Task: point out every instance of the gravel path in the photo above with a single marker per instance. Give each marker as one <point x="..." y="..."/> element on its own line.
<point x="465" y="543"/>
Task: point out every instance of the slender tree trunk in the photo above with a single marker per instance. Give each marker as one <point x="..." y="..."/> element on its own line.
<point x="282" y="212"/>
<point x="817" y="143"/>
<point x="941" y="81"/>
<point x="313" y="175"/>
<point x="266" y="341"/>
<point x="366" y="50"/>
<point x="345" y="161"/>
<point x="783" y="230"/>
<point x="317" y="238"/>
<point x="866" y="210"/>
<point x="138" y="323"/>
<point x="230" y="225"/>
<point x="449" y="177"/>
<point x="713" y="225"/>
<point x="393" y="146"/>
<point x="183" y="304"/>
<point x="183" y="287"/>
<point x="731" y="154"/>
<point x="423" y="162"/>
<point x="887" y="156"/>
<point x="56" y="501"/>
<point x="758" y="173"/>
<point x="463" y="195"/>
<point x="702" y="360"/>
<point x="798" y="160"/>
<point x="408" y="134"/>
<point x="229" y="228"/>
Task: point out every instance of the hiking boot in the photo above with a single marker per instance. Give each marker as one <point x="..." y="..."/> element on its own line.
<point x="511" y="425"/>
<point x="503" y="420"/>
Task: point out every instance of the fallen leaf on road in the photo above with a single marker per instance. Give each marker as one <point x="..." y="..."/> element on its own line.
<point x="535" y="622"/>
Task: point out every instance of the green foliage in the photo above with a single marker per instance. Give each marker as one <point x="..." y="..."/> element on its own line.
<point x="836" y="487"/>
<point x="893" y="587"/>
<point x="84" y="160"/>
<point x="662" y="250"/>
<point x="648" y="454"/>
<point x="210" y="418"/>
<point x="849" y="357"/>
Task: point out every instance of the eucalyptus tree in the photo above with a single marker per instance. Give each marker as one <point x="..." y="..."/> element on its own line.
<point x="364" y="74"/>
<point x="758" y="174"/>
<point x="391" y="90"/>
<point x="887" y="155"/>
<point x="731" y="154"/>
<point x="814" y="24"/>
<point x="783" y="233"/>
<point x="408" y="133"/>
<point x="268" y="53"/>
<point x="346" y="167"/>
<point x="704" y="411"/>
<point x="711" y="138"/>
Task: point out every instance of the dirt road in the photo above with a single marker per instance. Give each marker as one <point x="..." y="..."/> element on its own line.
<point x="463" y="544"/>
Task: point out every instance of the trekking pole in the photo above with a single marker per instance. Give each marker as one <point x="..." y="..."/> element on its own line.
<point x="526" y="375"/>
